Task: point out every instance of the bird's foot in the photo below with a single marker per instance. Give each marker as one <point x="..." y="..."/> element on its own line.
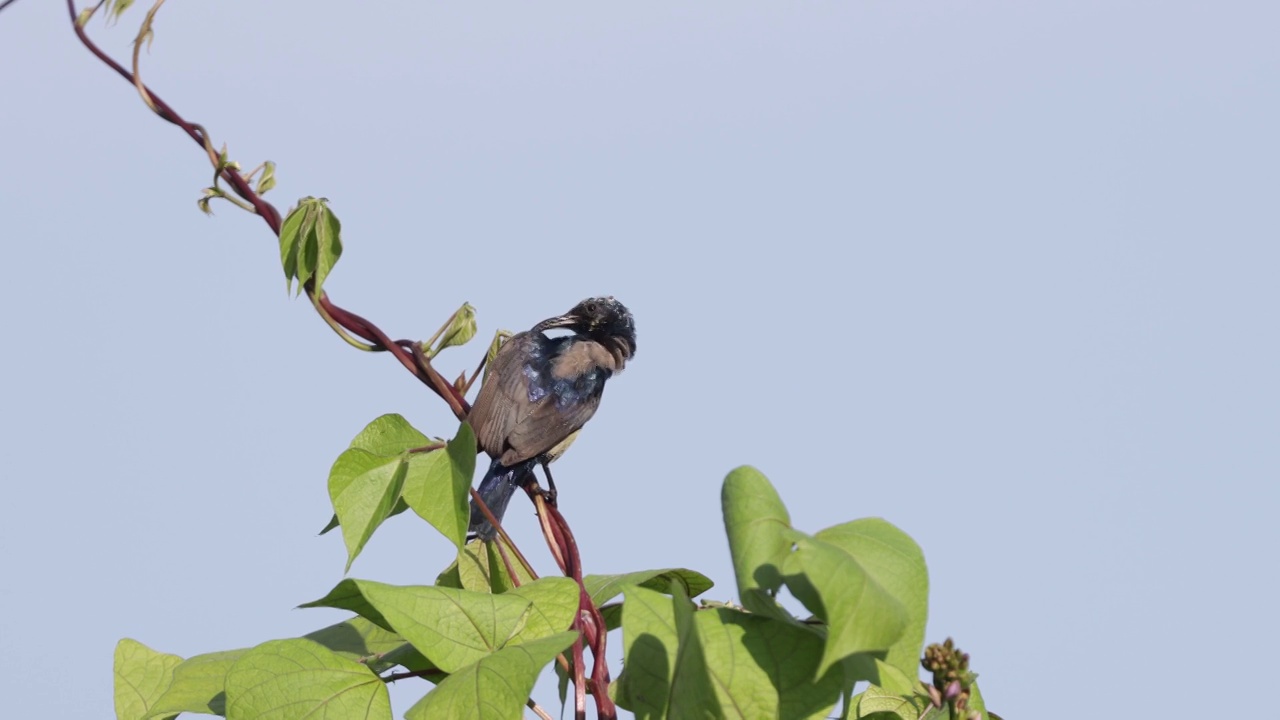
<point x="549" y="496"/>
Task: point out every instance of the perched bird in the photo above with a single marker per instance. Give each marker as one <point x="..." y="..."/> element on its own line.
<point x="541" y="391"/>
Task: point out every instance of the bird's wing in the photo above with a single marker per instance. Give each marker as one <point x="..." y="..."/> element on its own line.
<point x="495" y="411"/>
<point x="507" y="423"/>
<point x="546" y="426"/>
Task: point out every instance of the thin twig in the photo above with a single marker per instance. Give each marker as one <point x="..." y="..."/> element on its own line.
<point x="537" y="710"/>
<point x="502" y="534"/>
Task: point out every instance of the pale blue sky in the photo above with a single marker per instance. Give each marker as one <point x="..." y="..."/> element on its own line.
<point x="1002" y="273"/>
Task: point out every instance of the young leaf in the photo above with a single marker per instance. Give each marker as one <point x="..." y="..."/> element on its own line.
<point x="495" y="687"/>
<point x="364" y="488"/>
<point x="499" y="337"/>
<point x="400" y="507"/>
<point x="310" y="243"/>
<point x="268" y="179"/>
<point x="290" y="244"/>
<point x="328" y="239"/>
<point x="302" y="679"/>
<point x="389" y="435"/>
<point x="460" y="330"/>
<point x="141" y="677"/>
<point x="437" y="483"/>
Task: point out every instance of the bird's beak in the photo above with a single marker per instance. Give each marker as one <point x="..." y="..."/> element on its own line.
<point x="560" y="321"/>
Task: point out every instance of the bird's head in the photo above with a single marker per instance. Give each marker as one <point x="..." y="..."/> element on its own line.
<point x="602" y="319"/>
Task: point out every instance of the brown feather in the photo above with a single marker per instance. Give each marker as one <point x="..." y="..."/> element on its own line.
<point x="508" y="425"/>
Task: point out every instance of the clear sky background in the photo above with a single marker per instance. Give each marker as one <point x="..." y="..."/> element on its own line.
<point x="1003" y="273"/>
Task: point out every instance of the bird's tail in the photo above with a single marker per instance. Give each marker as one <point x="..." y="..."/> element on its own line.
<point x="497" y="487"/>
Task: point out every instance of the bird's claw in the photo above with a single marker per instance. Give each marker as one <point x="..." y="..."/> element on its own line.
<point x="548" y="496"/>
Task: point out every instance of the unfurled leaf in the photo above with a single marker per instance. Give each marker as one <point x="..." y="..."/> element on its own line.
<point x="759" y="528"/>
<point x="649" y="646"/>
<point x="452" y="628"/>
<point x="141" y="677"/>
<point x="199" y="684"/>
<point x="286" y="679"/>
<point x="894" y="562"/>
<point x="437" y="485"/>
<point x="389" y="436"/>
<point x="366" y="481"/>
<point x="603" y="588"/>
<point x="360" y="639"/>
<point x="496" y="687"/>
<point x="479" y="567"/>
<point x="364" y="488"/>
<point x="692" y="691"/>
<point x="861" y="616"/>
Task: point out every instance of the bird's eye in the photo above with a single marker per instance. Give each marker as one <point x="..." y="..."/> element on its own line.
<point x="592" y="307"/>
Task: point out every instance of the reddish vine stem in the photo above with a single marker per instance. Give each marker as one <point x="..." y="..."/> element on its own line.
<point x="350" y="321"/>
<point x="589" y="621"/>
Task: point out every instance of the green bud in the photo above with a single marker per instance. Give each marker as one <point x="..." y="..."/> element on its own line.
<point x="268" y="179"/>
<point x="459" y="331"/>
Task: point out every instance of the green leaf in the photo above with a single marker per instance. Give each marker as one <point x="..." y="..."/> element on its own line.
<point x="976" y="702"/>
<point x="400" y="507"/>
<point x="895" y="562"/>
<point x="896" y="694"/>
<point x="495" y="687"/>
<point x="438" y="483"/>
<point x="284" y="679"/>
<point x="861" y="615"/>
<point x="459" y="331"/>
<point x="762" y="667"/>
<point x="310" y="243"/>
<point x="649" y="645"/>
<point x="718" y="663"/>
<point x="603" y="588"/>
<point x="389" y="435"/>
<point x="290" y="244"/>
<point x="499" y="337"/>
<point x="268" y="179"/>
<point x="451" y="628"/>
<point x="364" y="488"/>
<point x="555" y="605"/>
<point x="116" y="8"/>
<point x="328" y="244"/>
<point x="199" y="684"/>
<point x="876" y="699"/>
<point x="758" y="527"/>
<point x="479" y="567"/>
<point x="692" y="692"/>
<point x="141" y="677"/>
<point x="360" y="639"/>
